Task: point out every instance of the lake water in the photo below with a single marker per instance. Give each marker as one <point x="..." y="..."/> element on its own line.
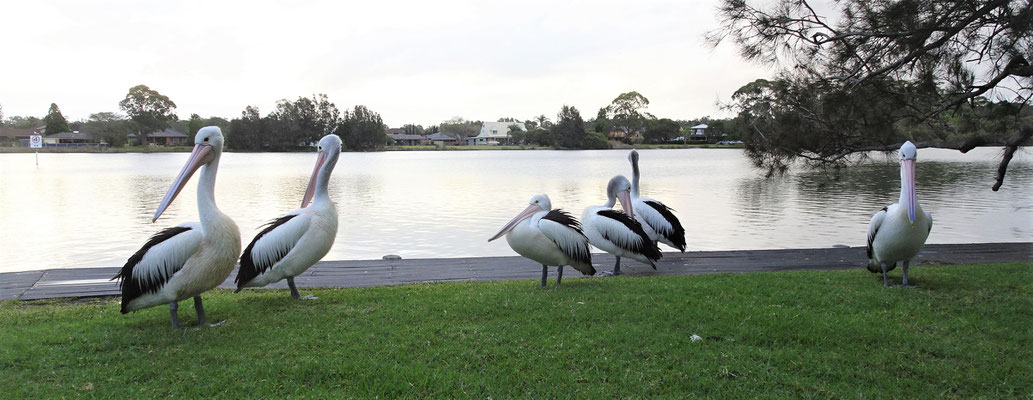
<point x="82" y="210"/>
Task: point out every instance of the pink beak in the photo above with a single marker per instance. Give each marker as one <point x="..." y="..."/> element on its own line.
<point x="197" y="159"/>
<point x="908" y="177"/>
<point x="529" y="211"/>
<point x="311" y="189"/>
<point x="625" y="199"/>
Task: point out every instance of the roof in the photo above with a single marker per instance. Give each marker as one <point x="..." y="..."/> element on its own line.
<point x="77" y="135"/>
<point x="167" y="133"/>
<point x="700" y="126"/>
<point x="440" y="136"/>
<point x="16" y="132"/>
<point x="501" y="129"/>
<point x="403" y="136"/>
<point x="394" y="131"/>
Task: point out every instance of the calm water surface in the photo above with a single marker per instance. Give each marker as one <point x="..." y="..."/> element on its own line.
<point x="82" y="210"/>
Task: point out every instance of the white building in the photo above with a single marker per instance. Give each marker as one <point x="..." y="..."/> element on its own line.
<point x="698" y="130"/>
<point x="494" y="133"/>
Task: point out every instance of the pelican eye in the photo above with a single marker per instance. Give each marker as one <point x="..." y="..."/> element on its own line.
<point x="206" y="139"/>
<point x="320" y="148"/>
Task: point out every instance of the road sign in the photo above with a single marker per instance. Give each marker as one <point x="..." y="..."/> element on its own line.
<point x="36" y="141"/>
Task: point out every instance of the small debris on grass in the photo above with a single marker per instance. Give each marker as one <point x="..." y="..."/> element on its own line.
<point x="695" y="338"/>
<point x="581" y="302"/>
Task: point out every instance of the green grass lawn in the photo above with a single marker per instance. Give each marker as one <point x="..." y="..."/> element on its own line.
<point x="965" y="331"/>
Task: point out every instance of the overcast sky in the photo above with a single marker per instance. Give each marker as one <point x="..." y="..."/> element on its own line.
<point x="411" y="61"/>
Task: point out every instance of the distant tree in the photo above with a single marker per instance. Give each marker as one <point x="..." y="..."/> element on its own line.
<point x="248" y="132"/>
<point x="543" y="121"/>
<point x="625" y="113"/>
<point x="461" y="127"/>
<point x="22" y="122"/>
<point x="149" y="110"/>
<point x="297" y="124"/>
<point x="879" y="73"/>
<point x="432" y="129"/>
<point x="516" y="133"/>
<point x="411" y="129"/>
<point x="508" y="119"/>
<point x="195" y="124"/>
<point x="1" y="115"/>
<point x="109" y="127"/>
<point x="661" y="131"/>
<point x="569" y="128"/>
<point x="602" y="123"/>
<point x="362" y="130"/>
<point x="55" y="122"/>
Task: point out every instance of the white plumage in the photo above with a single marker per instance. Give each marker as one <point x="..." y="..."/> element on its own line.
<point x="294" y="242"/>
<point x="618" y="233"/>
<point x="898" y="232"/>
<point x="658" y="220"/>
<point x="549" y="237"/>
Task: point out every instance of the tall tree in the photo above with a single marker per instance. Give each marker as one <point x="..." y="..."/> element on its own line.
<point x="461" y="127"/>
<point x="149" y="110"/>
<point x="412" y="129"/>
<point x="56" y="122"/>
<point x="362" y="129"/>
<point x="516" y="133"/>
<point x="195" y="124"/>
<point x="878" y="73"/>
<point x="569" y="128"/>
<point x="109" y="127"/>
<point x="661" y="130"/>
<point x="249" y="131"/>
<point x="626" y="113"/>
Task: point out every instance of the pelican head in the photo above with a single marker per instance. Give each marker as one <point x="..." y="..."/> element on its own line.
<point x="908" y="156"/>
<point x="619" y="188"/>
<point x="207" y="148"/>
<point x="538" y="203"/>
<point x="633" y="157"/>
<point x="327" y="152"/>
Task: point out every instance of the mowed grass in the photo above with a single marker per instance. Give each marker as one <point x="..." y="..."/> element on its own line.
<point x="965" y="331"/>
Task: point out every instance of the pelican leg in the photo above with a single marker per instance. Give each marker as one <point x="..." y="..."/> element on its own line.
<point x="545" y="274"/>
<point x="617" y="267"/>
<point x="294" y="289"/>
<point x="559" y="276"/>
<point x="201" y="320"/>
<point x="174" y="314"/>
<point x="885" y="282"/>
<point x="907" y="263"/>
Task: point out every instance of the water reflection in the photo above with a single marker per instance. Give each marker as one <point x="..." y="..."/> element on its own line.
<point x="78" y="210"/>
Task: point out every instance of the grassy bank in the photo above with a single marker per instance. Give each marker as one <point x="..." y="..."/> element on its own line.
<point x="966" y="331"/>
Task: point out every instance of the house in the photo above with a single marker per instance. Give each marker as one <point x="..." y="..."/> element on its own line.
<point x="73" y="138"/>
<point x="167" y="137"/>
<point x="698" y="132"/>
<point x="494" y="133"/>
<point x="441" y="139"/>
<point x="405" y="139"/>
<point x="16" y="136"/>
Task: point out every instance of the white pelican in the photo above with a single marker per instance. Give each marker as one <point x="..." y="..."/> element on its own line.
<point x="184" y="261"/>
<point x="658" y="220"/>
<point x="898" y="232"/>
<point x="549" y="237"/>
<point x="618" y="233"/>
<point x="289" y="245"/>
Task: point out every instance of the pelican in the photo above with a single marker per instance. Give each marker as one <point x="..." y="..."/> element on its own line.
<point x="898" y="231"/>
<point x="289" y="245"/>
<point x="618" y="233"/>
<point x="549" y="237"/>
<point x="658" y="220"/>
<point x="186" y="260"/>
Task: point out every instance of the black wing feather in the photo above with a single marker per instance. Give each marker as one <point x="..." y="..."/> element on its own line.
<point x="642" y="246"/>
<point x="677" y="234"/>
<point x="248" y="269"/>
<point x="133" y="288"/>
<point x="582" y="256"/>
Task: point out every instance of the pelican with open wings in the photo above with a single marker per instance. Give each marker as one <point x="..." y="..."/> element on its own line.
<point x="186" y="260"/>
<point x="616" y="232"/>
<point x="898" y="231"/>
<point x="549" y="237"/>
<point x="291" y="244"/>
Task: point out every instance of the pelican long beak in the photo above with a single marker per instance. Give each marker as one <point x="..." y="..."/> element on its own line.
<point x="528" y="212"/>
<point x="907" y="179"/>
<point x="198" y="157"/>
<point x="311" y="190"/>
<point x="624" y="197"/>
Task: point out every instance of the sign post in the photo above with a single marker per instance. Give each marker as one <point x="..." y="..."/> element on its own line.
<point x="36" y="142"/>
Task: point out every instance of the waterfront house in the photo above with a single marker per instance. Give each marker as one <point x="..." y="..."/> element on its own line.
<point x="400" y="138"/>
<point x="73" y="138"/>
<point x="167" y="137"/>
<point x="698" y="132"/>
<point x="494" y="133"/>
<point x="441" y="139"/>
<point x="16" y="136"/>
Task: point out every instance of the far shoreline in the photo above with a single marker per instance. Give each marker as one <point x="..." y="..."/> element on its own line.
<point x="187" y="149"/>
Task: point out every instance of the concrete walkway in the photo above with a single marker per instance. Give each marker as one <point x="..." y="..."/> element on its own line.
<point x="86" y="282"/>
